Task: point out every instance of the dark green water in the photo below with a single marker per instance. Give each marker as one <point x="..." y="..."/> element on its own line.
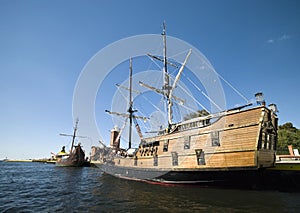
<point x="37" y="187"/>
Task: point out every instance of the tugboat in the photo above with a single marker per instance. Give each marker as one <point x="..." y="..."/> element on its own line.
<point x="230" y="147"/>
<point x="76" y="157"/>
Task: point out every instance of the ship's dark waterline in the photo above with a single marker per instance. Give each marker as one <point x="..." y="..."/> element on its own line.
<point x="36" y="187"/>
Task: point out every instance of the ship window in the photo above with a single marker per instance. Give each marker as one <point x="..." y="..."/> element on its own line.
<point x="272" y="141"/>
<point x="200" y="157"/>
<point x="187" y="140"/>
<point x="166" y="144"/>
<point x="264" y="140"/>
<point x="174" y="159"/>
<point x="215" y="138"/>
<point x="268" y="141"/>
<point x="155" y="160"/>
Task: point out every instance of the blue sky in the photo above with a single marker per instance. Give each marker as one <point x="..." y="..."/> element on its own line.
<point x="44" y="45"/>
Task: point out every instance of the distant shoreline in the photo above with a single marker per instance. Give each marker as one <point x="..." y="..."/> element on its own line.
<point x="16" y="160"/>
<point x="28" y="161"/>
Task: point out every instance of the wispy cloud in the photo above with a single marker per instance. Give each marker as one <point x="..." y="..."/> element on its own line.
<point x="280" y="38"/>
<point x="284" y="37"/>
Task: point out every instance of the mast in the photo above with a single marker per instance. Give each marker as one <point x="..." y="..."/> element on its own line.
<point x="74" y="135"/>
<point x="165" y="73"/>
<point x="130" y="110"/>
<point x="167" y="90"/>
<point x="166" y="87"/>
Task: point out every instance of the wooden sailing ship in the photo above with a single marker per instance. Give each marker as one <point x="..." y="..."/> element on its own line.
<point x="76" y="157"/>
<point x="229" y="147"/>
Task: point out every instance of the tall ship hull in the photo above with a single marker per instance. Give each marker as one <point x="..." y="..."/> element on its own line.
<point x="75" y="159"/>
<point x="235" y="148"/>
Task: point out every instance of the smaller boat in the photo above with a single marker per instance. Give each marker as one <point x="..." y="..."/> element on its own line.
<point x="76" y="157"/>
<point x="289" y="162"/>
<point x="285" y="175"/>
<point x="293" y="155"/>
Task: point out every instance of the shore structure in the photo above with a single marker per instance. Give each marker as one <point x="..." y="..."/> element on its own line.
<point x="230" y="147"/>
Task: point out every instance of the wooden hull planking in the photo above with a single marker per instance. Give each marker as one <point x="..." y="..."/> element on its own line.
<point x="235" y="143"/>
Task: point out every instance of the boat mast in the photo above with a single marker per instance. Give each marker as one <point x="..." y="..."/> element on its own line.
<point x="130" y="110"/>
<point x="74" y="135"/>
<point x="166" y="87"/>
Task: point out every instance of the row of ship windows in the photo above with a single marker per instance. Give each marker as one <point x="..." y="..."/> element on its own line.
<point x="200" y="157"/>
<point x="151" y="149"/>
<point x="215" y="141"/>
<point x="267" y="141"/>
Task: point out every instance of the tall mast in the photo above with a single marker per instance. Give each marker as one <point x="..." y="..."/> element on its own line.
<point x="130" y="110"/>
<point x="166" y="87"/>
<point x="165" y="74"/>
<point x="74" y="135"/>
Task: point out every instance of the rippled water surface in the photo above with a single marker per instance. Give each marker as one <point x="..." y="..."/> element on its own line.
<point x="37" y="187"/>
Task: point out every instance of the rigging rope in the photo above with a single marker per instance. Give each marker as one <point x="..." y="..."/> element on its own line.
<point x="194" y="99"/>
<point x="206" y="96"/>
<point x="232" y="87"/>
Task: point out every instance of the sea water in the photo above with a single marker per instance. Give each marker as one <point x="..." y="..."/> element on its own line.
<point x="38" y="187"/>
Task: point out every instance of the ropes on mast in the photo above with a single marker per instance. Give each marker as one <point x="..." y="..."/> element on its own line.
<point x="233" y="88"/>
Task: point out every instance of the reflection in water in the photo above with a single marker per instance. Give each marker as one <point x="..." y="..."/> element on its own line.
<point x="137" y="196"/>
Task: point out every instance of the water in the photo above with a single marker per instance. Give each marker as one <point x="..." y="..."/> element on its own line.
<point x="37" y="187"/>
